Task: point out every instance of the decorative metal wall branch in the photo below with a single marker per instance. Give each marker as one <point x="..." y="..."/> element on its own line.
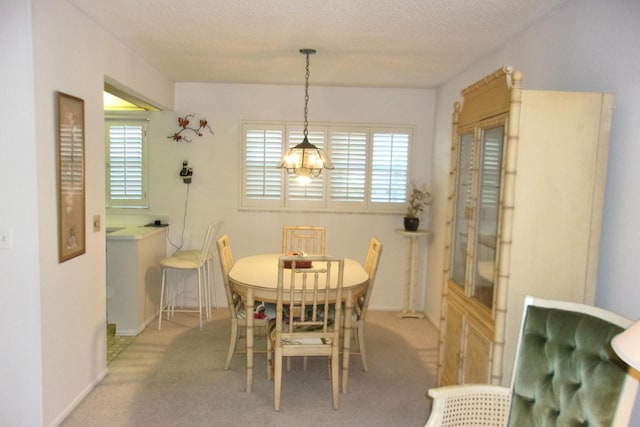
<point x="186" y="131"/>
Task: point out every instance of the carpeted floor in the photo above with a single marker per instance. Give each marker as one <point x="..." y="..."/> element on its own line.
<point x="175" y="377"/>
<point x="115" y="343"/>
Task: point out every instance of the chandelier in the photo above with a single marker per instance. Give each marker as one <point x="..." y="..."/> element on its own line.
<point x="305" y="160"/>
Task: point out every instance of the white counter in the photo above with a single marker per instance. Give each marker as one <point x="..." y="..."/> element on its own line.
<point x="132" y="232"/>
<point x="134" y="276"/>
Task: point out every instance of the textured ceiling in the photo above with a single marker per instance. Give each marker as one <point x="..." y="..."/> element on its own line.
<point x="370" y="43"/>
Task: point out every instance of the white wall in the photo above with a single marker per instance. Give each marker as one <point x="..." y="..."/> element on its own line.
<point x="21" y="385"/>
<point x="587" y="45"/>
<point x="53" y="317"/>
<point x="127" y="72"/>
<point x="72" y="293"/>
<point x="215" y="190"/>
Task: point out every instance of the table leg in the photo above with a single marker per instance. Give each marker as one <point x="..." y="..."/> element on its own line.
<point x="346" y="339"/>
<point x="250" y="320"/>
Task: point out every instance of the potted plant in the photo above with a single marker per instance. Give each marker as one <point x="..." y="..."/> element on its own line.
<point x="417" y="199"/>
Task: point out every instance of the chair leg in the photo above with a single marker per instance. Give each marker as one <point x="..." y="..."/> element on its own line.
<point x="207" y="289"/>
<point x="335" y="379"/>
<point x="199" y="274"/>
<point x="162" y="290"/>
<point x="211" y="283"/>
<point x="277" y="379"/>
<point x="359" y="331"/>
<point x="172" y="292"/>
<point x="269" y="359"/>
<point x="233" y="342"/>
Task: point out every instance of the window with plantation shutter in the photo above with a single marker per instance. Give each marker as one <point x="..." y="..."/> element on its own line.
<point x="314" y="190"/>
<point x="390" y="167"/>
<point x="371" y="168"/>
<point x="126" y="174"/>
<point x="262" y="154"/>
<point x="349" y="157"/>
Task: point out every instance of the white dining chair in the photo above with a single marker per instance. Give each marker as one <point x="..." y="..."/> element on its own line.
<point x="237" y="311"/>
<point x="302" y="239"/>
<point x="305" y="238"/>
<point x="304" y="326"/>
<point x="361" y="304"/>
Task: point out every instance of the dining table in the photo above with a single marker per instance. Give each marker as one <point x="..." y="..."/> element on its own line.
<point x="255" y="278"/>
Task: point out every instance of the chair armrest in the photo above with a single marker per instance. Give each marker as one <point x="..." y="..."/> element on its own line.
<point x="469" y="405"/>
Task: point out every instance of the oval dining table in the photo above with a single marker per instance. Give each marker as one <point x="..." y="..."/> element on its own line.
<point x="255" y="278"/>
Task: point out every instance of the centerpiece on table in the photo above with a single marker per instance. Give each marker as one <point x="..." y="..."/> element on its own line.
<point x="417" y="199"/>
<point x="299" y="263"/>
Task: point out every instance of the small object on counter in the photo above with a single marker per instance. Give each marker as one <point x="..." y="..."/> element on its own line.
<point x="156" y="223"/>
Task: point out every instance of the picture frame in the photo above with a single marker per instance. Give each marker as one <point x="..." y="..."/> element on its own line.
<point x="70" y="159"/>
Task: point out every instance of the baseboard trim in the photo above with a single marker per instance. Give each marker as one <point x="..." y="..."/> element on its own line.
<point x="75" y="402"/>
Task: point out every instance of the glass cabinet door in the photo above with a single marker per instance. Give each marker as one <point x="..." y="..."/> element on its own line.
<point x="486" y="213"/>
<point x="463" y="209"/>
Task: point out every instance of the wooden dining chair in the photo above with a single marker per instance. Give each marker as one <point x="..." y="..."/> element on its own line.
<point x="302" y="239"/>
<point x="303" y="324"/>
<point x="236" y="305"/>
<point x="361" y="304"/>
<point x="309" y="239"/>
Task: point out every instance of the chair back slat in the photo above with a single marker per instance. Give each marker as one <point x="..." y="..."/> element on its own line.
<point x="304" y="326"/>
<point x="371" y="267"/>
<point x="226" y="262"/>
<point x="208" y="247"/>
<point x="305" y="296"/>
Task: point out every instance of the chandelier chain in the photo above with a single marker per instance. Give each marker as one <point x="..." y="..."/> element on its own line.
<point x="306" y="98"/>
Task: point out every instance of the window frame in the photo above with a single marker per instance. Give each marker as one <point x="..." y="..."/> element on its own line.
<point x="136" y="119"/>
<point x="327" y="203"/>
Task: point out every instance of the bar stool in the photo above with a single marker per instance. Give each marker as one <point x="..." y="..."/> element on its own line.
<point x="182" y="263"/>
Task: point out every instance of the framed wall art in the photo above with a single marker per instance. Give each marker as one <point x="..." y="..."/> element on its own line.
<point x="70" y="182"/>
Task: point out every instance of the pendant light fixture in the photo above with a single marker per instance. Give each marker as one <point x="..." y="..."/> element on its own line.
<point x="305" y="160"/>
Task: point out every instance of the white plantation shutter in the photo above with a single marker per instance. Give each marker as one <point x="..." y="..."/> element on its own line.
<point x="371" y="168"/>
<point x="262" y="154"/>
<point x="126" y="177"/>
<point x="349" y="157"/>
<point x="390" y="167"/>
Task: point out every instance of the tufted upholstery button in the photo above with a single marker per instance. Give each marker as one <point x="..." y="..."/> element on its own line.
<point x="564" y="369"/>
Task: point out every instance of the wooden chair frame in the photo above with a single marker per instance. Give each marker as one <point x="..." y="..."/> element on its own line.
<point x="309" y="239"/>
<point x="309" y="330"/>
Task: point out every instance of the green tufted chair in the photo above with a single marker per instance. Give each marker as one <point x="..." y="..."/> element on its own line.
<point x="566" y="374"/>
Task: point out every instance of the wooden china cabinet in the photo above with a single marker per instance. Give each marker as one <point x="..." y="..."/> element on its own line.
<point x="524" y="213"/>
